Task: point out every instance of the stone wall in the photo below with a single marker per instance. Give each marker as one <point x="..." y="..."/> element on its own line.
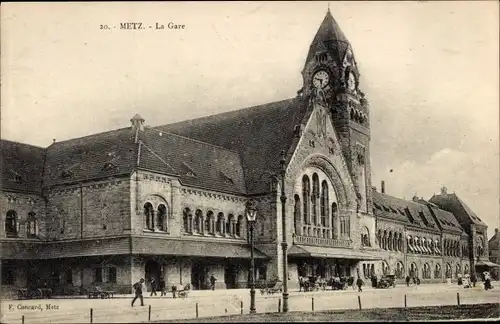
<point x="22" y="204"/>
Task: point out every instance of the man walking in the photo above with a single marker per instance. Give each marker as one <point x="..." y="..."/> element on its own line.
<point x="408" y="281"/>
<point x="138" y="292"/>
<point x="153" y="287"/>
<point x="212" y="281"/>
<point x="359" y="283"/>
<point x="162" y="287"/>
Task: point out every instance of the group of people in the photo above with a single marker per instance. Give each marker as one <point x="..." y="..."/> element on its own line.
<point x="140" y="286"/>
<point x="416" y="280"/>
<point x="470" y="281"/>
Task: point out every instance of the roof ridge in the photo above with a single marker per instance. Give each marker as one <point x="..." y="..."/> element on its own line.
<point x="154" y="153"/>
<point x="90" y="135"/>
<point x="192" y="139"/>
<point x="26" y="144"/>
<point x="231" y="111"/>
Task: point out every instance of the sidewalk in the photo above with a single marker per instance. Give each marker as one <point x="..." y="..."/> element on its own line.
<point x="292" y="292"/>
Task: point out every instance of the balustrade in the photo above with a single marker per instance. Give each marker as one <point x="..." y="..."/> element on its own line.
<point x="322" y="241"/>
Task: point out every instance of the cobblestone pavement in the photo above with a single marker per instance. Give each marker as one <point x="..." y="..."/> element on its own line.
<point x="226" y="302"/>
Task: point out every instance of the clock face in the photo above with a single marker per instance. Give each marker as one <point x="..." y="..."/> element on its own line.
<point x="320" y="79"/>
<point x="351" y="82"/>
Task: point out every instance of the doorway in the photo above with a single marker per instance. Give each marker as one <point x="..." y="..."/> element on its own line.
<point x="152" y="270"/>
<point x="230" y="274"/>
<point x="199" y="276"/>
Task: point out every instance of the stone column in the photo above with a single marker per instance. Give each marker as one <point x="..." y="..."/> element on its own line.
<point x="337" y="226"/>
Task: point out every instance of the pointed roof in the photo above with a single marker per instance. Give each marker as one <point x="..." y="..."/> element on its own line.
<point x="137" y="117"/>
<point x="329" y="32"/>
<point x="258" y="134"/>
<point x="459" y="208"/>
<point x="21" y="166"/>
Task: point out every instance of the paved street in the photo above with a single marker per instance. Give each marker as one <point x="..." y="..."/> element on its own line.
<point x="225" y="302"/>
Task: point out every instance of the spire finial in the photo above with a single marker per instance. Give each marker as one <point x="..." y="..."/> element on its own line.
<point x="328" y="6"/>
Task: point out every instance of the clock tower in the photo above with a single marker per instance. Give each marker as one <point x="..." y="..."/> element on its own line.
<point x="331" y="69"/>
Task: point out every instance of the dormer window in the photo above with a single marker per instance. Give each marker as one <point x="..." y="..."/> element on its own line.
<point x="226" y="178"/>
<point x="108" y="166"/>
<point x="188" y="171"/>
<point x="66" y="174"/>
<point x="16" y="177"/>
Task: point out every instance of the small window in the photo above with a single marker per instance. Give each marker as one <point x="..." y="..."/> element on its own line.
<point x="112" y="275"/>
<point x="66" y="174"/>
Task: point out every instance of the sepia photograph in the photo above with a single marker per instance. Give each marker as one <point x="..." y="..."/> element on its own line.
<point x="249" y="161"/>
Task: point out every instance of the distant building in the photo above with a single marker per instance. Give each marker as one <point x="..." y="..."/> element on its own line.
<point x="494" y="249"/>
<point x="170" y="201"/>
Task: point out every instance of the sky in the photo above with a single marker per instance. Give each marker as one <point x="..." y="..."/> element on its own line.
<point x="430" y="71"/>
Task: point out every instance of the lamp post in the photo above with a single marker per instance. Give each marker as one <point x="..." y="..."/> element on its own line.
<point x="251" y="216"/>
<point x="284" y="244"/>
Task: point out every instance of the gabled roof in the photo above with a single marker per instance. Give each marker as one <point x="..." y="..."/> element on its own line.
<point x="21" y="167"/>
<point x="444" y="219"/>
<point x="196" y="163"/>
<point x="494" y="241"/>
<point x="257" y="133"/>
<point x="409" y="212"/>
<point x="86" y="158"/>
<point x="329" y="32"/>
<point x="459" y="208"/>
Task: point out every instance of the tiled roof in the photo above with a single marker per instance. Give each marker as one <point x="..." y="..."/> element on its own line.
<point x="258" y="134"/>
<point x="21" y="166"/>
<point x="494" y="242"/>
<point x="445" y="219"/>
<point x="452" y="203"/>
<point x="96" y="156"/>
<point x="410" y="212"/>
<point x="329" y="32"/>
<point x="197" y="163"/>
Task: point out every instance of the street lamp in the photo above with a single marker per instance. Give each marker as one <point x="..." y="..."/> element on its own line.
<point x="284" y="244"/>
<point x="251" y="216"/>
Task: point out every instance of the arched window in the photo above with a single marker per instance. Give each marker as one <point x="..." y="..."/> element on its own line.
<point x="32" y="225"/>
<point x="365" y="236"/>
<point x="314" y="199"/>
<point x="230" y="230"/>
<point x="162" y="224"/>
<point x="239" y="226"/>
<point x="334" y="215"/>
<point x="219" y="227"/>
<point x="324" y="203"/>
<point x="384" y="240"/>
<point x="458" y="271"/>
<point x="413" y="270"/>
<point x="385" y="268"/>
<point x="198" y="221"/>
<point x="306" y="198"/>
<point x="448" y="271"/>
<point x="400" y="270"/>
<point x="296" y="214"/>
<point x="480" y="246"/>
<point x="416" y="240"/>
<point x="379" y="238"/>
<point x="187" y="218"/>
<point x="437" y="271"/>
<point x="427" y="271"/>
<point x="210" y="223"/>
<point x="148" y="216"/>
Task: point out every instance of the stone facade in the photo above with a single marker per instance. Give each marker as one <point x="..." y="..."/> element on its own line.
<point x="172" y="203"/>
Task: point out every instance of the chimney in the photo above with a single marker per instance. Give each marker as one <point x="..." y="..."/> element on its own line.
<point x="444" y="191"/>
<point x="382" y="187"/>
<point x="137" y="123"/>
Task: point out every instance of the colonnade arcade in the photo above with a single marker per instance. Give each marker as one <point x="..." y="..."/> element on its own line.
<point x="207" y="223"/>
<point x="316" y="209"/>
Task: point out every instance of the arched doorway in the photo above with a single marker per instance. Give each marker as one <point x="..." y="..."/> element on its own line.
<point x="152" y="270"/>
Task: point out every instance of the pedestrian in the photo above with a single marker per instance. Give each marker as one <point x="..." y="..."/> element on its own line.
<point x="473" y="279"/>
<point x="418" y="281"/>
<point x="360" y="283"/>
<point x="414" y="280"/>
<point x="162" y="287"/>
<point x="212" y="281"/>
<point x="153" y="287"/>
<point x="487" y="281"/>
<point x="408" y="281"/>
<point x="138" y="292"/>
